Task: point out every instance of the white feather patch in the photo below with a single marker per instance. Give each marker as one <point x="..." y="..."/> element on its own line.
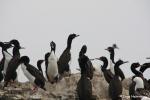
<point x="112" y="67"/>
<point x="52" y="69"/>
<point x="8" y="57"/>
<point x="139" y="82"/>
<point x="27" y="74"/>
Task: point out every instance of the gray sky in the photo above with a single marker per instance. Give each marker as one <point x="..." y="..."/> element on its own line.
<point x="100" y="23"/>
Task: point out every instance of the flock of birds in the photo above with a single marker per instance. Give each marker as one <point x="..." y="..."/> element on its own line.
<point x="56" y="69"/>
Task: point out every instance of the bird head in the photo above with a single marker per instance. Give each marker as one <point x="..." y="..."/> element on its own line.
<point x="72" y="36"/>
<point x="15" y="43"/>
<point x="121" y="62"/>
<point x="53" y="45"/>
<point x="135" y="65"/>
<point x="102" y="58"/>
<point x="83" y="49"/>
<point x="24" y="59"/>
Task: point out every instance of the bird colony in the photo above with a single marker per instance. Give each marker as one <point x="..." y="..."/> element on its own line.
<point x="58" y="69"/>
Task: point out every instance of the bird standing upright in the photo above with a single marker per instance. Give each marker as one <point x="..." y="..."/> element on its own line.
<point x="111" y="50"/>
<point x="39" y="62"/>
<point x="108" y="75"/>
<point x="51" y="64"/>
<point x="115" y="85"/>
<point x="64" y="59"/>
<point x="84" y="85"/>
<point x="11" y="73"/>
<point x="5" y="60"/>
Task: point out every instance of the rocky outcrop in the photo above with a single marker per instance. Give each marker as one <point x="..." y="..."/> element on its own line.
<point x="63" y="90"/>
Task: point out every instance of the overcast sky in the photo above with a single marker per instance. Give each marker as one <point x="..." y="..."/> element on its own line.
<point x="100" y="23"/>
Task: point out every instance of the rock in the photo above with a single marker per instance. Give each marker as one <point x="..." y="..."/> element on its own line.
<point x="65" y="89"/>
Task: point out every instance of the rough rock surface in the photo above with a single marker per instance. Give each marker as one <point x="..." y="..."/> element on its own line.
<point x="63" y="90"/>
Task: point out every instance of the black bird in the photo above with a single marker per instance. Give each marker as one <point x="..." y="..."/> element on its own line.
<point x="112" y="52"/>
<point x="39" y="62"/>
<point x="137" y="90"/>
<point x="108" y="75"/>
<point x="133" y="84"/>
<point x="148" y="58"/>
<point x="63" y="62"/>
<point x="85" y="63"/>
<point x="140" y="86"/>
<point x="136" y="72"/>
<point x="115" y="85"/>
<point x="84" y="86"/>
<point x="11" y="73"/>
<point x="3" y="61"/>
<point x="144" y="67"/>
<point x="142" y="70"/>
<point x="32" y="73"/>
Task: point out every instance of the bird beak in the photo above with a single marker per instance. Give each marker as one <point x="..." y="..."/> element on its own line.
<point x="77" y="35"/>
<point x="106" y="49"/>
<point x="11" y="46"/>
<point x="22" y="47"/>
<point x="43" y="61"/>
<point x="139" y="65"/>
<point x="6" y="42"/>
<point x="126" y="62"/>
<point x="92" y="59"/>
<point x="117" y="48"/>
<point x="97" y="58"/>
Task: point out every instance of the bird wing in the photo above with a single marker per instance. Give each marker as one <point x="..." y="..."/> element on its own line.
<point x="64" y="60"/>
<point x="144" y="67"/>
<point x="12" y="66"/>
<point x="132" y="88"/>
<point x="90" y="68"/>
<point x="2" y="64"/>
<point x="35" y="72"/>
<point x="121" y="74"/>
<point x="108" y="75"/>
<point x="46" y="59"/>
<point x="84" y="88"/>
<point x="65" y="57"/>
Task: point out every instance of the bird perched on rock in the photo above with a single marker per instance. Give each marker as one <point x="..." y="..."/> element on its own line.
<point x="115" y="85"/>
<point x="64" y="59"/>
<point x="5" y="60"/>
<point x="84" y="86"/>
<point x="51" y="64"/>
<point x="32" y="73"/>
<point x="11" y="73"/>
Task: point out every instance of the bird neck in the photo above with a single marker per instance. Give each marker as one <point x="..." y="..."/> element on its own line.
<point x="69" y="42"/>
<point x="53" y="50"/>
<point x="143" y="68"/>
<point x="117" y="69"/>
<point x="112" y="54"/>
<point x="81" y="54"/>
<point x="105" y="64"/>
<point x="3" y="53"/>
<point x="39" y="67"/>
<point x="16" y="52"/>
<point x="137" y="73"/>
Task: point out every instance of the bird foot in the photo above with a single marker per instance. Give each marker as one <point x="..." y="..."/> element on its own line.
<point x="34" y="90"/>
